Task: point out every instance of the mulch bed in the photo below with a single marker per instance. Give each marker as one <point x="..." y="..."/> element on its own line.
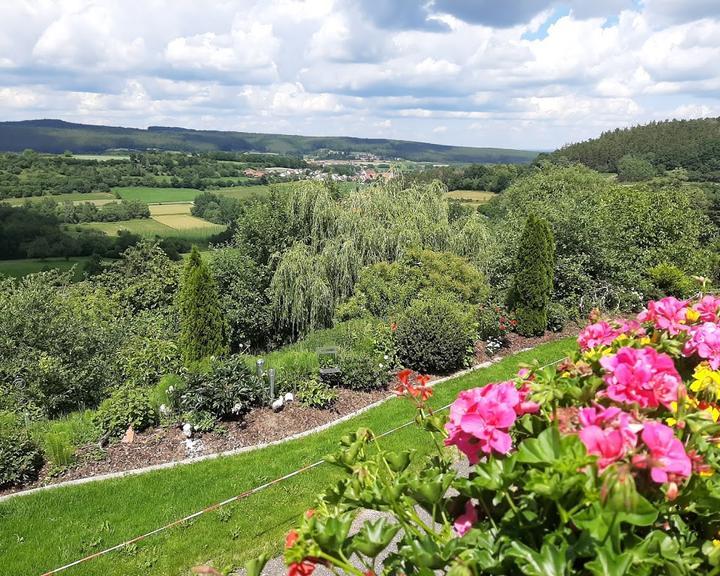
<point x="168" y="444"/>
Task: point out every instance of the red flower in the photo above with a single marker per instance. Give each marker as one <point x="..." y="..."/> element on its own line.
<point x="291" y="538"/>
<point x="393" y="326"/>
<point x="304" y="568"/>
<point x="423" y="391"/>
<point x="310" y="513"/>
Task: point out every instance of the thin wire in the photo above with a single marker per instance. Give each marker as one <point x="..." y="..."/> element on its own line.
<point x="236" y="498"/>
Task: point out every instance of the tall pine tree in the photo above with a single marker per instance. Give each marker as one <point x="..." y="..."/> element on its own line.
<point x="534" y="273"/>
<point x="203" y="330"/>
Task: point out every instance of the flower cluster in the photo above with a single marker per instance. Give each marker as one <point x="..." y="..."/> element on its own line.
<point x="414" y="385"/>
<point x="480" y="418"/>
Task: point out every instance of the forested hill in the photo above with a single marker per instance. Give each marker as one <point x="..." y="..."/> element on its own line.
<point x="56" y="136"/>
<point x="690" y="144"/>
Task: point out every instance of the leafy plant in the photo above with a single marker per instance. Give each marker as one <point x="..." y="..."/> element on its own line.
<point x="557" y="317"/>
<point x="362" y="370"/>
<point x="127" y="406"/>
<point x="58" y="449"/>
<point x="20" y="456"/>
<point x="315" y="394"/>
<point x="668" y="280"/>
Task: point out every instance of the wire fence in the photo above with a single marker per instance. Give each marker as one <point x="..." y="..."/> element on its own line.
<point x="236" y="498"/>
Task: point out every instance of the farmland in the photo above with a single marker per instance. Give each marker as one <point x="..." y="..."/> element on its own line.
<point x="151" y="195"/>
<point x="95" y="197"/>
<point x="25" y="266"/>
<point x="474" y="197"/>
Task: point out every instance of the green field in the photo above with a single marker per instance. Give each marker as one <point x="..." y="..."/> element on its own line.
<point x="101" y="157"/>
<point x="42" y="531"/>
<point x="98" y="197"/>
<point x="18" y="268"/>
<point x="475" y="197"/>
<point x="169" y="226"/>
<point x="157" y="195"/>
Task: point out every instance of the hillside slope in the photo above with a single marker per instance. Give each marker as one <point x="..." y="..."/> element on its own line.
<point x="690" y="144"/>
<point x="57" y="136"/>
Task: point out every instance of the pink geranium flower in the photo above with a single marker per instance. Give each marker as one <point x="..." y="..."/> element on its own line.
<point x="598" y="334"/>
<point x="708" y="308"/>
<point x="607" y="433"/>
<point x="480" y="418"/>
<point x="465" y="521"/>
<point x="705" y="342"/>
<point x="667" y="453"/>
<point x="666" y="314"/>
<point x="644" y="377"/>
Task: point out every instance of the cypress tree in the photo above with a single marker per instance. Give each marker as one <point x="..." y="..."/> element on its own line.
<point x="203" y="330"/>
<point x="534" y="272"/>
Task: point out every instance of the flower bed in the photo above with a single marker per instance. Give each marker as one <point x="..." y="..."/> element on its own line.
<point x="603" y="464"/>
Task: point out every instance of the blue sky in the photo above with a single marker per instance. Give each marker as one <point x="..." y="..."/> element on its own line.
<point x="521" y="73"/>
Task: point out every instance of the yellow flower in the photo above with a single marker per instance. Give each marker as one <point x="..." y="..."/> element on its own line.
<point x="692" y="315"/>
<point x="716" y="543"/>
<point x="645" y="341"/>
<point x="713" y="412"/>
<point x="706" y="379"/>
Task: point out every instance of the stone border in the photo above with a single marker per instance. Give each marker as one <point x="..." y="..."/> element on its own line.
<point x="186" y="461"/>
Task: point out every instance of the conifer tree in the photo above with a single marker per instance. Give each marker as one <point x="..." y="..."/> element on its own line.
<point x="534" y="272"/>
<point x="203" y="330"/>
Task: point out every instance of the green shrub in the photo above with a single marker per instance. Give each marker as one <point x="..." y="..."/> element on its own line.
<point x="127" y="406"/>
<point x="167" y="393"/>
<point x="494" y="321"/>
<point x="145" y="360"/>
<point x="533" y="282"/>
<point x="364" y="371"/>
<point x="20" y="456"/>
<point x="557" y="317"/>
<point x="228" y="389"/>
<point x="201" y="421"/>
<point x="315" y="394"/>
<point x="435" y="335"/>
<point x="668" y="280"/>
<point x="384" y="290"/>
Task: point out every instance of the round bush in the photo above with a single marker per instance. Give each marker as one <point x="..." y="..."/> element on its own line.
<point x="360" y="370"/>
<point x="20" y="456"/>
<point x="127" y="406"/>
<point x="435" y="335"/>
<point x="227" y="389"/>
<point x="315" y="394"/>
<point x="557" y="317"/>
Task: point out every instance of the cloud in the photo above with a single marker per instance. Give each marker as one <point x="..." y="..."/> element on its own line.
<point x="526" y="73"/>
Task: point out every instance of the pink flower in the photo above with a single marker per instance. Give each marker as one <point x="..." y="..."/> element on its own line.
<point x="465" y="521"/>
<point x="630" y="328"/>
<point x="708" y="308"/>
<point x="594" y="335"/>
<point x="705" y="342"/>
<point x="644" y="377"/>
<point x="480" y="418"/>
<point x="667" y="453"/>
<point x="666" y="314"/>
<point x="525" y="406"/>
<point x="607" y="433"/>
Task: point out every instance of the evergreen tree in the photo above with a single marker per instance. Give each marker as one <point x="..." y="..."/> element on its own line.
<point x="533" y="283"/>
<point x="203" y="330"/>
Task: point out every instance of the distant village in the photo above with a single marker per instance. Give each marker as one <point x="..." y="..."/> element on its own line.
<point x="338" y="171"/>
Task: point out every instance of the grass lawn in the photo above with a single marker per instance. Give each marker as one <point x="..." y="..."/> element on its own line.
<point x="98" y="197"/>
<point x="152" y="195"/>
<point x="42" y="531"/>
<point x="471" y="196"/>
<point x="18" y="268"/>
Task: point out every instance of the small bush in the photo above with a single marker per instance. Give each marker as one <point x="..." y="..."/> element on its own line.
<point x="127" y="406"/>
<point x="227" y="390"/>
<point x="315" y="394"/>
<point x="494" y="322"/>
<point x="435" y="335"/>
<point x="201" y="421"/>
<point x="557" y="317"/>
<point x="362" y="371"/>
<point x="166" y="393"/>
<point x="668" y="280"/>
<point x="20" y="456"/>
<point x="58" y="449"/>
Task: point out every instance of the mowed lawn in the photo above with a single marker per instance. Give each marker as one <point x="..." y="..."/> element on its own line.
<point x="43" y="531"/>
<point x="23" y="267"/>
<point x="471" y="196"/>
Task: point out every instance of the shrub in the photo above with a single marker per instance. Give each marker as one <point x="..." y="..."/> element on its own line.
<point x="668" y="280"/>
<point x="315" y="394"/>
<point x="533" y="283"/>
<point x="145" y="360"/>
<point x="557" y="317"/>
<point x="167" y="393"/>
<point x="127" y="406"/>
<point x="227" y="389"/>
<point x="203" y="330"/>
<point x="435" y="335"/>
<point x="494" y="322"/>
<point x="20" y="456"/>
<point x="362" y="371"/>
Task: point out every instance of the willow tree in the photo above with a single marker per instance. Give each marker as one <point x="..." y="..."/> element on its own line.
<point x="473" y="240"/>
<point x="203" y="330"/>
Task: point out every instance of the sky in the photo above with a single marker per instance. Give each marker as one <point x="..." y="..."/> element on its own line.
<point x="532" y="74"/>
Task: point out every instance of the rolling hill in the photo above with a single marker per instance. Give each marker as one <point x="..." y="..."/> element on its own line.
<point x="56" y="136"/>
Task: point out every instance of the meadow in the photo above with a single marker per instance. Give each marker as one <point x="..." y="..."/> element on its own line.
<point x="25" y="266"/>
<point x="95" y="197"/>
<point x="157" y="195"/>
<point x="475" y="197"/>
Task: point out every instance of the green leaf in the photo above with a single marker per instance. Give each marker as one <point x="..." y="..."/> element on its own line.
<point x="398" y="461"/>
<point x="608" y="563"/>
<point x="544" y="449"/>
<point x="255" y="567"/>
<point x="374" y="537"/>
<point x="550" y="561"/>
